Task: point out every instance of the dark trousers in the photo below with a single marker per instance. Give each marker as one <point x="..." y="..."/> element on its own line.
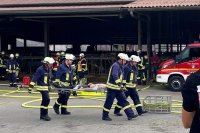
<point x="45" y="102"/>
<point x="132" y="92"/>
<point x="81" y="75"/>
<point x="63" y="99"/>
<point x="12" y="78"/>
<point x="141" y="78"/>
<point x="121" y="98"/>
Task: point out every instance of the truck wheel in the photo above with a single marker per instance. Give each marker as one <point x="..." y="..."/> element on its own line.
<point x="175" y="83"/>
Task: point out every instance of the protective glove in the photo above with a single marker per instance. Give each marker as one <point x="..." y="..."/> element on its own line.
<point x="57" y="84"/>
<point x="30" y="89"/>
<point x="120" y="85"/>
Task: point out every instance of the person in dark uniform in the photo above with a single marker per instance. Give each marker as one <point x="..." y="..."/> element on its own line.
<point x="190" y="108"/>
<point x="141" y="78"/>
<point x="115" y="86"/>
<point x="82" y="69"/>
<point x="2" y="65"/>
<point x="19" y="61"/>
<point x="56" y="57"/>
<point x="64" y="78"/>
<point x="11" y="67"/>
<point x="130" y="75"/>
<point x="42" y="78"/>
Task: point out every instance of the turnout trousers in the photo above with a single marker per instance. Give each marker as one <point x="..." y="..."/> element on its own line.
<point x="121" y="98"/>
<point x="44" y="104"/>
<point x="132" y="92"/>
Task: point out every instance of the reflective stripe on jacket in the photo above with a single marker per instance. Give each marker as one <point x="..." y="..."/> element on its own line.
<point x="115" y="76"/>
<point x="130" y="75"/>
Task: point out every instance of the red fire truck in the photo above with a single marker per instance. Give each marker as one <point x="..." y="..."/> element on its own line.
<point x="175" y="71"/>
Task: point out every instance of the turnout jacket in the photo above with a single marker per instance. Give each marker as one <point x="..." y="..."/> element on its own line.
<point x="65" y="75"/>
<point x="115" y="76"/>
<point x="42" y="78"/>
<point x="130" y="75"/>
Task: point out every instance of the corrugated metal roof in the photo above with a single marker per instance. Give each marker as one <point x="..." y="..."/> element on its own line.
<point x="162" y="3"/>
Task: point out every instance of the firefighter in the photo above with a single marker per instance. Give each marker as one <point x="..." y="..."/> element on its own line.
<point x="42" y="79"/>
<point x="82" y="69"/>
<point x="115" y="85"/>
<point x="56" y="64"/>
<point x="11" y="67"/>
<point x="130" y="75"/>
<point x="64" y="78"/>
<point x="17" y="58"/>
<point x="62" y="57"/>
<point x="141" y="77"/>
<point x="2" y="65"/>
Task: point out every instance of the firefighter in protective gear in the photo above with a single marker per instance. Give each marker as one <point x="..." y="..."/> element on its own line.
<point x="56" y="64"/>
<point x="141" y="77"/>
<point x="17" y="58"/>
<point x="130" y="75"/>
<point x="115" y="85"/>
<point x="42" y="78"/>
<point x="62" y="57"/>
<point x="82" y="68"/>
<point x="2" y="65"/>
<point x="11" y="67"/>
<point x="64" y="78"/>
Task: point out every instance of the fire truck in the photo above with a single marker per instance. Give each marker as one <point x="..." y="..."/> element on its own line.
<point x="175" y="71"/>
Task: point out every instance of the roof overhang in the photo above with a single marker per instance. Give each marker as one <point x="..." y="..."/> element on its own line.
<point x="163" y="5"/>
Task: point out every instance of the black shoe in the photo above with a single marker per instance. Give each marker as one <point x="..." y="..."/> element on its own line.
<point x="131" y="117"/>
<point x="65" y="113"/>
<point x="74" y="93"/>
<point x="118" y="114"/>
<point x="106" y="119"/>
<point x="56" y="109"/>
<point x="14" y="85"/>
<point x="45" y="118"/>
<point x="143" y="112"/>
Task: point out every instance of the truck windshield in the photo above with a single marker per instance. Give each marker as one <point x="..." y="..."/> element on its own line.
<point x="185" y="54"/>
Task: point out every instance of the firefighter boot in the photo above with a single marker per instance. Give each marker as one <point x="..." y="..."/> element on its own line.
<point x="105" y="116"/>
<point x="117" y="111"/>
<point x="142" y="112"/>
<point x="64" y="111"/>
<point x="130" y="114"/>
<point x="44" y="115"/>
<point x="56" y="108"/>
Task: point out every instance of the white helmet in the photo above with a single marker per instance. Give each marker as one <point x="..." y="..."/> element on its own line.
<point x="48" y="60"/>
<point x="69" y="56"/>
<point x="135" y="58"/>
<point x="81" y="54"/>
<point x="57" y="54"/>
<point x="11" y="56"/>
<point x="123" y="56"/>
<point x="17" y="55"/>
<point x="62" y="53"/>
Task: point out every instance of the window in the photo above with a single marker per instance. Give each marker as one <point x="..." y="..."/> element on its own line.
<point x="129" y="47"/>
<point x="30" y="43"/>
<point x="84" y="47"/>
<point x="103" y="47"/>
<point x="59" y="47"/>
<point x="9" y="47"/>
<point x="118" y="47"/>
<point x="19" y="42"/>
